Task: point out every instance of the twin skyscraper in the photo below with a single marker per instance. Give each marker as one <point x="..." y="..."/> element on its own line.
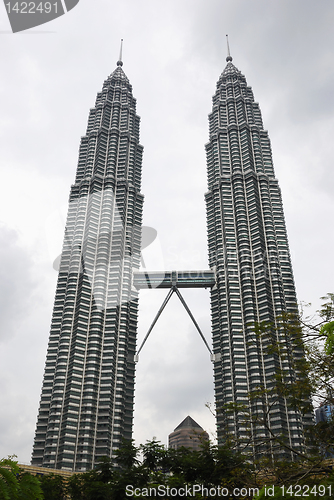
<point x="86" y="406"/>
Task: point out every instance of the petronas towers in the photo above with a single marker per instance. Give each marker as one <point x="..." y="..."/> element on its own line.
<point x="86" y="406"/>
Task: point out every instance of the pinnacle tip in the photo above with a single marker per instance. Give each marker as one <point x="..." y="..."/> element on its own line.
<point x="120" y="62"/>
<point x="228" y="58"/>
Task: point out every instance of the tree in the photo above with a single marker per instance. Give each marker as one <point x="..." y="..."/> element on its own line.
<point x="16" y="484"/>
<point x="126" y="454"/>
<point x="281" y="341"/>
<point x="110" y="477"/>
<point x="210" y="466"/>
<point x="53" y="486"/>
<point x="129" y="470"/>
<point x="319" y="342"/>
<point x="76" y="486"/>
<point x="93" y="485"/>
<point x="8" y="480"/>
<point x="319" y="337"/>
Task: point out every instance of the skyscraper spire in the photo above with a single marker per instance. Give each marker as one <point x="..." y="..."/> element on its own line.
<point x="229" y="58"/>
<point x="120" y="62"/>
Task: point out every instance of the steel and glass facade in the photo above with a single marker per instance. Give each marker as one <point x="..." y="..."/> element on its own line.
<point x="88" y="388"/>
<point x="248" y="247"/>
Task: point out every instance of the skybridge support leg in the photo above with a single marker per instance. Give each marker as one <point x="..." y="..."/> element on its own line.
<point x="192" y="317"/>
<point x="162" y="307"/>
<point x="165" y="302"/>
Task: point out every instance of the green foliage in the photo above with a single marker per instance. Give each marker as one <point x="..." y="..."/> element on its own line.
<point x="328" y="330"/>
<point x="155" y="455"/>
<point x="29" y="487"/>
<point x="126" y="455"/>
<point x="320" y="354"/>
<point x="327" y="308"/>
<point x="8" y="480"/>
<point x="104" y="470"/>
<point x="93" y="485"/>
<point x="94" y="488"/>
<point x="53" y="486"/>
<point x="17" y="485"/>
<point x="160" y="466"/>
<point x="76" y="486"/>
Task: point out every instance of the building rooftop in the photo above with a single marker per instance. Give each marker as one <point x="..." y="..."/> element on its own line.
<point x="188" y="423"/>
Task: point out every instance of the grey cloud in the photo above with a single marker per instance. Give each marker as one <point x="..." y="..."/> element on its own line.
<point x="16" y="282"/>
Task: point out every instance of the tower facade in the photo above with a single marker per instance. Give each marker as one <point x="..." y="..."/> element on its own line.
<point x="88" y="387"/>
<point x="248" y="247"/>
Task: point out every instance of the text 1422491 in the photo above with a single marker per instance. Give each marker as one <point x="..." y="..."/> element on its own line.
<point x="32" y="7"/>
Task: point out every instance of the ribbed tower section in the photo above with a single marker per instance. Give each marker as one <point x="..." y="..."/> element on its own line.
<point x="86" y="404"/>
<point x="248" y="246"/>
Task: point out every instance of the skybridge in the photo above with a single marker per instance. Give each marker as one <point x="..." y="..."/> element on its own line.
<point x="173" y="280"/>
<point x="179" y="279"/>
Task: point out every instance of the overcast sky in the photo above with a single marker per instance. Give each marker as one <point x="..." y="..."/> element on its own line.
<point x="174" y="52"/>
